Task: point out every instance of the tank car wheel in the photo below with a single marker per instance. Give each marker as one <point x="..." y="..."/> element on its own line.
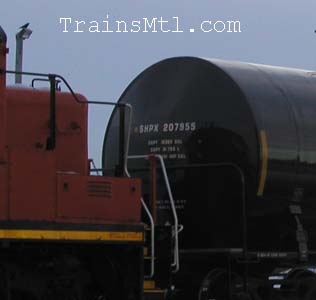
<point x="215" y="286"/>
<point x="307" y="289"/>
<point x="304" y="282"/>
<point x="311" y="295"/>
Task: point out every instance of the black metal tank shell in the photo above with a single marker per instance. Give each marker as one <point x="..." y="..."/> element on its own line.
<point x="197" y="112"/>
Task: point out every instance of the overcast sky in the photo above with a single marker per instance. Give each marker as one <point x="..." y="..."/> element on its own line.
<point x="100" y="65"/>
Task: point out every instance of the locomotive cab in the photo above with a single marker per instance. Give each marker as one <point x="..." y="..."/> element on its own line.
<point x="56" y="179"/>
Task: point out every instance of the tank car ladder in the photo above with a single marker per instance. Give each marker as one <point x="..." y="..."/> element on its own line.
<point x="149" y="285"/>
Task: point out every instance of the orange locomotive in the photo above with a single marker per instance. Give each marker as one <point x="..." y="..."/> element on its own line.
<point x="64" y="234"/>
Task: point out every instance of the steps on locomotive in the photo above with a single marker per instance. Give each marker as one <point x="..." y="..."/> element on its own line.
<point x="155" y="294"/>
<point x="156" y="287"/>
<point x="147" y="255"/>
<point x="163" y="248"/>
<point x="151" y="292"/>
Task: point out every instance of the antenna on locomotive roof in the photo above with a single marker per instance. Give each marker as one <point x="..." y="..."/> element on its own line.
<point x="23" y="34"/>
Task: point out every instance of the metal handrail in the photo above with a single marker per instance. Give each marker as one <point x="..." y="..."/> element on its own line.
<point x="152" y="241"/>
<point x="177" y="228"/>
<point x="176" y="262"/>
<point x="152" y="236"/>
<point x="94" y="167"/>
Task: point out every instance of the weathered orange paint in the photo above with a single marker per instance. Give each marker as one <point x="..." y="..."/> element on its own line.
<point x="28" y="126"/>
<point x="32" y="168"/>
<point x="32" y="185"/>
<point x="37" y="177"/>
<point x="98" y="199"/>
